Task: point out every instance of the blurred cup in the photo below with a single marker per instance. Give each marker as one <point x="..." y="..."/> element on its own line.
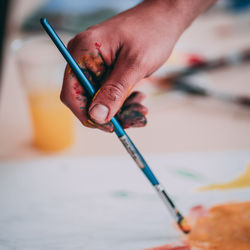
<point x="41" y="67"/>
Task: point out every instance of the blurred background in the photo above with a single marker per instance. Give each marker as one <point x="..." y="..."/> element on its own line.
<point x="197" y="111"/>
<point x="198" y="131"/>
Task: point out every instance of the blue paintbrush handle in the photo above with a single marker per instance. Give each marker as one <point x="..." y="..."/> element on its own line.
<point x="120" y="132"/>
<point x="124" y="138"/>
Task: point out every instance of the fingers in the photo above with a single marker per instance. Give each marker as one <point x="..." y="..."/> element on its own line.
<point x="135" y="97"/>
<point x="115" y="87"/>
<point x="78" y="103"/>
<point x="133" y="115"/>
<point x="72" y="94"/>
<point x="136" y="107"/>
<point x="114" y="90"/>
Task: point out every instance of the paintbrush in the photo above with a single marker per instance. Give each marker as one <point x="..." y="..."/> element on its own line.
<point x="210" y="64"/>
<point x="120" y="132"/>
<point x="184" y="85"/>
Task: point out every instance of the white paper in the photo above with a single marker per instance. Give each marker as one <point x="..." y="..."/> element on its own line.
<point x="106" y="203"/>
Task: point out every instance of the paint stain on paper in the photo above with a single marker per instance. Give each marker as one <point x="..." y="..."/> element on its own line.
<point x="242" y="181"/>
<point x="187" y="174"/>
<point x="120" y="194"/>
<point x="225" y="226"/>
<point x="221" y="227"/>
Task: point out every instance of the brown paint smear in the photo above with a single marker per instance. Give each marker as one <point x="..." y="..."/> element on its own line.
<point x="131" y="114"/>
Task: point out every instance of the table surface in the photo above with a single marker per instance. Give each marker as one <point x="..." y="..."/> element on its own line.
<point x="176" y="123"/>
<point x="106" y="203"/>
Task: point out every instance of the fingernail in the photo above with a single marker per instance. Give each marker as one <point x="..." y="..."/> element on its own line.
<point x="99" y="113"/>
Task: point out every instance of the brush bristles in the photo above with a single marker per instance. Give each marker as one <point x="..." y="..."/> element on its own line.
<point x="184" y="226"/>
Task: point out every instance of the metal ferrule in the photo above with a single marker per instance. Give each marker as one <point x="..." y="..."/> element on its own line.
<point x="161" y="192"/>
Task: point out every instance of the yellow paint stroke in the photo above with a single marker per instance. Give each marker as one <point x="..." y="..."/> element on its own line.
<point x="242" y="181"/>
<point x="91" y="122"/>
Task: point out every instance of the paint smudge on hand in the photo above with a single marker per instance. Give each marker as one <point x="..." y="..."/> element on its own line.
<point x="107" y="127"/>
<point x="77" y="88"/>
<point x="131" y="114"/>
<point x="97" y="45"/>
<point x="92" y="66"/>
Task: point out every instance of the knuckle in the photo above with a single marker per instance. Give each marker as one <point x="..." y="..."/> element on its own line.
<point x="115" y="91"/>
<point x="79" y="36"/>
<point x="89" y="34"/>
<point x="85" y="37"/>
<point x="93" y="27"/>
<point x="76" y="39"/>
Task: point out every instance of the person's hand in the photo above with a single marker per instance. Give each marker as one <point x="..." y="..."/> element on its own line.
<point x="119" y="52"/>
<point x="131" y="114"/>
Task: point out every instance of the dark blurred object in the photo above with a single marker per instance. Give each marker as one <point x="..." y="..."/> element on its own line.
<point x="239" y="5"/>
<point x="75" y="16"/>
<point x="210" y="64"/>
<point x="235" y="5"/>
<point x="184" y="85"/>
<point x="179" y="80"/>
<point x="4" y="6"/>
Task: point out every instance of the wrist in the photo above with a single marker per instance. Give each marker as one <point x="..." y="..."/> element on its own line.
<point x="181" y="12"/>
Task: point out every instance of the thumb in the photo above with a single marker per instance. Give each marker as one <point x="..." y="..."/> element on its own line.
<point x="114" y="91"/>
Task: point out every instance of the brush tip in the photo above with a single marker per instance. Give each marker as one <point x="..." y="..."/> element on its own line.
<point x="184" y="226"/>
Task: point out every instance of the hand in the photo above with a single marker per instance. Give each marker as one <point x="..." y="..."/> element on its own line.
<point x="131" y="114"/>
<point x="119" y="52"/>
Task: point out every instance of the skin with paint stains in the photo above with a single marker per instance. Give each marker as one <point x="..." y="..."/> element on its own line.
<point x="243" y="181"/>
<point x="131" y="114"/>
<point x="120" y="52"/>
